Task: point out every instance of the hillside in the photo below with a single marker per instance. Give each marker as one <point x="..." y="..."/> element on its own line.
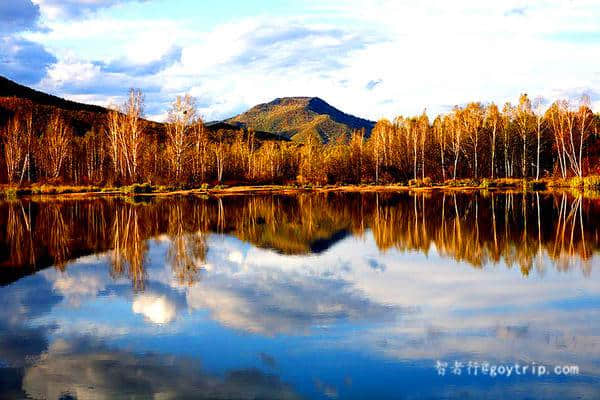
<point x="298" y="117"/>
<point x="16" y="98"/>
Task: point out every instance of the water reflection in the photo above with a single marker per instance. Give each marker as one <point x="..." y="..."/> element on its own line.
<point x="516" y="228"/>
<point x="315" y="296"/>
<point x="85" y="369"/>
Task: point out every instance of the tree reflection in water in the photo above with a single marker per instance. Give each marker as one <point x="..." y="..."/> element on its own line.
<point x="521" y="229"/>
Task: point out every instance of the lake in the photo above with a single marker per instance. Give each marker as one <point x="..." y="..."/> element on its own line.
<point x="323" y="295"/>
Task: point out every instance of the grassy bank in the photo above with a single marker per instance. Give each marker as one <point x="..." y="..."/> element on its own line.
<point x="591" y="183"/>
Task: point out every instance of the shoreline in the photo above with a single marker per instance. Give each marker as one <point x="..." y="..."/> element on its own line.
<point x="145" y="190"/>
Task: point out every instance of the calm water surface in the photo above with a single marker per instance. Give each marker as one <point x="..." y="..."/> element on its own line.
<point x="309" y="296"/>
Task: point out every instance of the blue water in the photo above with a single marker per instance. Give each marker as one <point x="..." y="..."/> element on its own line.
<point x="351" y="322"/>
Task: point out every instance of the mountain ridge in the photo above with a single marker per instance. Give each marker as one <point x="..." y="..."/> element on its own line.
<point x="297" y="117"/>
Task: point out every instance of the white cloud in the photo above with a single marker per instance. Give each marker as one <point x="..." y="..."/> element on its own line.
<point x="430" y="55"/>
<point x="157" y="309"/>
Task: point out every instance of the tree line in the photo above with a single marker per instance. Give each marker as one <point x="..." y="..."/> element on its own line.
<point x="475" y="141"/>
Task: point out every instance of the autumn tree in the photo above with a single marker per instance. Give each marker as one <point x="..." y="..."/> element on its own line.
<point x="508" y="112"/>
<point x="134" y="133"/>
<point x="378" y="142"/>
<point x="456" y="138"/>
<point x="423" y="134"/>
<point x="539" y="119"/>
<point x="125" y="134"/>
<point x="220" y="153"/>
<point x="525" y="122"/>
<point x="584" y="120"/>
<point x="493" y="121"/>
<point x="56" y="143"/>
<point x="472" y="118"/>
<point x="356" y="156"/>
<point x="555" y="115"/>
<point x="14" y="151"/>
<point x="28" y="143"/>
<point x="181" y="125"/>
<point x="201" y="152"/>
<point x="440" y="135"/>
<point x="310" y="169"/>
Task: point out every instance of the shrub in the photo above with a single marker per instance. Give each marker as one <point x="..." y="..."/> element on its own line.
<point x="576" y="182"/>
<point x="536" y="185"/>
<point x="592" y="182"/>
<point x="138" y="188"/>
<point x="10" y="193"/>
<point x="509" y="183"/>
<point x="143" y="188"/>
<point x="558" y="183"/>
<point x="461" y="182"/>
<point x="488" y="183"/>
<point x="426" y="182"/>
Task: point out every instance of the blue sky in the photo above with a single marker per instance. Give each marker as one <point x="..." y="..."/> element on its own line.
<point x="371" y="58"/>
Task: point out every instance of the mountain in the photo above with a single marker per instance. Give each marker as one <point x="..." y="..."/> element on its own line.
<point x="298" y="117"/>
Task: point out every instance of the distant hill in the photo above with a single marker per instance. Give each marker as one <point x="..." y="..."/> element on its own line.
<point x="215" y="126"/>
<point x="298" y="117"/>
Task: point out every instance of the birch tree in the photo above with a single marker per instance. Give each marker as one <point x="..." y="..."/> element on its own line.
<point x="539" y="119"/>
<point x="493" y="120"/>
<point x="56" y="143"/>
<point x="14" y="151"/>
<point x="181" y="121"/>
<point x="456" y="137"/>
<point x="524" y="121"/>
<point x="440" y="133"/>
